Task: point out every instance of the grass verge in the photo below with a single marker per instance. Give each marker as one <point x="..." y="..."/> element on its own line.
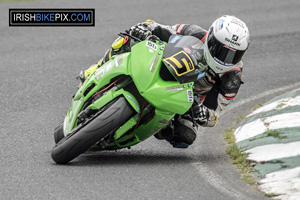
<point x="244" y="166"/>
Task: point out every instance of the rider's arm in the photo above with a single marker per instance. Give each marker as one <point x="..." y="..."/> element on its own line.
<point x="222" y="94"/>
<point x="193" y="30"/>
<point x="165" y="31"/>
<point x="162" y="31"/>
<point x="219" y="96"/>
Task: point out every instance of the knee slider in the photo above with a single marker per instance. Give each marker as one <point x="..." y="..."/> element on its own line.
<point x="185" y="132"/>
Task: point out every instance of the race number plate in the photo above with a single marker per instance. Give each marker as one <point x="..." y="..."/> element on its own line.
<point x="181" y="62"/>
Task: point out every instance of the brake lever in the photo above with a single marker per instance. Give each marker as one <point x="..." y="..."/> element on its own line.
<point x="126" y="34"/>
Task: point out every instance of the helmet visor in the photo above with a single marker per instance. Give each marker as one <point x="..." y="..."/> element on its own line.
<point x="222" y="53"/>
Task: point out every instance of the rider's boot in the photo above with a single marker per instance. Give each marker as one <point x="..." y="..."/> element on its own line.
<point x="180" y="134"/>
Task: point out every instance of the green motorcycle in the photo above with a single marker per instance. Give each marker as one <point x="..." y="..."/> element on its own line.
<point x="130" y="98"/>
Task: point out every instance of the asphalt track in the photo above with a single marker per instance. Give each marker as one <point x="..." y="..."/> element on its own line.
<point x="38" y="69"/>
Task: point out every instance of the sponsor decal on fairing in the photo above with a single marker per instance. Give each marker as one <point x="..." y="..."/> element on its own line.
<point x="190" y="95"/>
<point x="151" y="45"/>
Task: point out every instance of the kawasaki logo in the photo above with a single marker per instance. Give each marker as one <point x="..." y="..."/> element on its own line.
<point x="232" y="42"/>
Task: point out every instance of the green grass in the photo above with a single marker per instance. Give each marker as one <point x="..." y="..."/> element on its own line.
<point x="239" y="157"/>
<point x="257" y="107"/>
<point x="271" y="133"/>
<point x="249" y="179"/>
<point x="229" y="136"/>
<point x="275" y="134"/>
<point x="271" y="195"/>
<point x="280" y="105"/>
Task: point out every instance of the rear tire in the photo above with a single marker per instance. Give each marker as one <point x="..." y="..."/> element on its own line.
<point x="76" y="143"/>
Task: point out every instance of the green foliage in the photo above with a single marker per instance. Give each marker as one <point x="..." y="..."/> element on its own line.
<point x="274" y="133"/>
<point x="257" y="106"/>
<point x="240" y="118"/>
<point x="239" y="157"/>
<point x="248" y="179"/>
<point x="280" y="105"/>
<point x="229" y="136"/>
<point x="271" y="195"/>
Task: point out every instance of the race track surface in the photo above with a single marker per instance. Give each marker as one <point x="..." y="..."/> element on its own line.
<point x="38" y="70"/>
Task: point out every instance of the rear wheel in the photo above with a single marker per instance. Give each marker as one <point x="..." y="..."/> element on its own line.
<point x="99" y="127"/>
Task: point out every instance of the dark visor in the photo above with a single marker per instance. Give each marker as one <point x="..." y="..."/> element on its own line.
<point x="222" y="53"/>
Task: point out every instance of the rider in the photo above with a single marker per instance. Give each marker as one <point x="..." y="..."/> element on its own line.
<point x="224" y="46"/>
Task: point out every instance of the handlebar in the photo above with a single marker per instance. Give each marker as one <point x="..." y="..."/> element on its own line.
<point x="150" y="37"/>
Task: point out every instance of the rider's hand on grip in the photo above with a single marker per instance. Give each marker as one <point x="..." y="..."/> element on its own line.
<point x="141" y="31"/>
<point x="201" y="113"/>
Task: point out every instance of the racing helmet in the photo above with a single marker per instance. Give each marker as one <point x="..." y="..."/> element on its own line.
<point x="226" y="42"/>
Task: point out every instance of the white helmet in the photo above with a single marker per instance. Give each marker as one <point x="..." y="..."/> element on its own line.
<point x="227" y="40"/>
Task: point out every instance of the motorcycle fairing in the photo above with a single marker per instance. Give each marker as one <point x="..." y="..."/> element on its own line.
<point x="143" y="65"/>
<point x="179" y="58"/>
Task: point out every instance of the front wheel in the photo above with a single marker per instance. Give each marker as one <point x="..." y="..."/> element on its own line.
<point x="79" y="141"/>
<point x="59" y="133"/>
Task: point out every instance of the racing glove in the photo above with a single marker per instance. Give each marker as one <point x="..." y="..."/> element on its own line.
<point x="140" y="30"/>
<point x="204" y="116"/>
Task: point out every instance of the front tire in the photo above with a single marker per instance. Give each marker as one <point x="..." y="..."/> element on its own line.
<point x="59" y="133"/>
<point x="76" y="143"/>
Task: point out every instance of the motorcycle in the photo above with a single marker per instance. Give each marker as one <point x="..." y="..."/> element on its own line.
<point x="130" y="98"/>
